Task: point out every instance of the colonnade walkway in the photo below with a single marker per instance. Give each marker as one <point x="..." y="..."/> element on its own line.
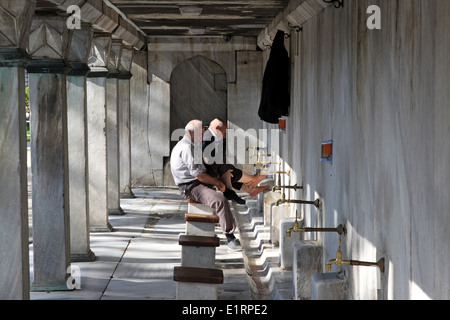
<point x="136" y="260"/>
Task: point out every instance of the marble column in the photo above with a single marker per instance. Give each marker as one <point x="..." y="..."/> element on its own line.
<point x="50" y="195"/>
<point x="112" y="136"/>
<point x="97" y="128"/>
<point x="113" y="143"/>
<point x="14" y="252"/>
<point x="124" y="123"/>
<point x="80" y="250"/>
<point x="14" y="231"/>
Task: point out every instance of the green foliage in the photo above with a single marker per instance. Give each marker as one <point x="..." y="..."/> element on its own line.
<point x="27" y="99"/>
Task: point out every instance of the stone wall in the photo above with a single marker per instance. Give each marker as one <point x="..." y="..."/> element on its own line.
<point x="237" y="66"/>
<point x="382" y="96"/>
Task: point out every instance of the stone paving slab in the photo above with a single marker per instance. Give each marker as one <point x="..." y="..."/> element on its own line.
<point x="136" y="260"/>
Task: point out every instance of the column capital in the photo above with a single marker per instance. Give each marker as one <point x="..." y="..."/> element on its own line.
<point x="113" y="74"/>
<point x="14" y="57"/>
<point x="49" y="38"/>
<point x="55" y="66"/>
<point x="97" y="72"/>
<point x="80" y="47"/>
<point x="115" y="54"/>
<point x="126" y="59"/>
<point x="16" y="19"/>
<point x="78" y="69"/>
<point x="125" y="75"/>
<point x="99" y="53"/>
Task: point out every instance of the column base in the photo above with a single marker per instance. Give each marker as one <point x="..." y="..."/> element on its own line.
<point x="116" y="212"/>
<point x="127" y="195"/>
<point x="106" y="228"/>
<point x="50" y="286"/>
<point x="83" y="257"/>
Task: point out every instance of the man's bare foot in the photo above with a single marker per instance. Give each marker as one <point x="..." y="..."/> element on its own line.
<point x="254" y="191"/>
<point x="256" y="179"/>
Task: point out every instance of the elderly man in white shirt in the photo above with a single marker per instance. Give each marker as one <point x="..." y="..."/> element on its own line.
<point x="190" y="175"/>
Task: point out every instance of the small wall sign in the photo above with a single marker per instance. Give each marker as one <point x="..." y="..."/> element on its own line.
<point x="327" y="151"/>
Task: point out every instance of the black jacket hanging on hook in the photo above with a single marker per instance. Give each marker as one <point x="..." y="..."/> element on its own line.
<point x="275" y="99"/>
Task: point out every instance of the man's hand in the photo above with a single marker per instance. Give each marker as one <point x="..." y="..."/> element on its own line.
<point x="221" y="185"/>
<point x="207" y="179"/>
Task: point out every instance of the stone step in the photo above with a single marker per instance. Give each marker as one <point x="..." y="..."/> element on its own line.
<point x="206" y="218"/>
<point x="196" y="207"/>
<point x="198" y="257"/>
<point x="198" y="275"/>
<point x="198" y="241"/>
<point x="200" y="224"/>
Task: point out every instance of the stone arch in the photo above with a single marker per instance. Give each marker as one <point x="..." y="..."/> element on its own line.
<point x="198" y="90"/>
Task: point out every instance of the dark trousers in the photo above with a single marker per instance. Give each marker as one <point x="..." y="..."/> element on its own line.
<point x="218" y="170"/>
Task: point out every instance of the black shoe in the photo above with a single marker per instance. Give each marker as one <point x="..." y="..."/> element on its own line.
<point x="235" y="245"/>
<point x="231" y="195"/>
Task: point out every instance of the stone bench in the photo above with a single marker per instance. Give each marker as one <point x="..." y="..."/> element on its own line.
<point x="197" y="207"/>
<point x="200" y="224"/>
<point x="197" y="277"/>
<point x="197" y="283"/>
<point x="198" y="251"/>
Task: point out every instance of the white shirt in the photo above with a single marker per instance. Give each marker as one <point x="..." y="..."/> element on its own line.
<point x="186" y="161"/>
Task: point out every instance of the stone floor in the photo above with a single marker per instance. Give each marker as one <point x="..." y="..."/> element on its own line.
<point x="136" y="260"/>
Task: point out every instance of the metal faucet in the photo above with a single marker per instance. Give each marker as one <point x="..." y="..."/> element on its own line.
<point x="316" y="202"/>
<point x="340" y="229"/>
<point x="338" y="261"/>
<point x="258" y="161"/>
<point x="288" y="172"/>
<point x="259" y="155"/>
<point x="278" y="187"/>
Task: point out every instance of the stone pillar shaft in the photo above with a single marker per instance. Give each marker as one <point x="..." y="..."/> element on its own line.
<point x="124" y="135"/>
<point x="51" y="229"/>
<point x="97" y="133"/>
<point x="113" y="143"/>
<point x="14" y="252"/>
<point x="78" y="155"/>
<point x="97" y="150"/>
<point x="77" y="151"/>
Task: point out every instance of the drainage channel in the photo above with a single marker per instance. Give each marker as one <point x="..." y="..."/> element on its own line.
<point x="265" y="278"/>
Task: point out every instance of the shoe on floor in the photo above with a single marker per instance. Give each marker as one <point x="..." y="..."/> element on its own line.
<point x="231" y="195"/>
<point x="234" y="245"/>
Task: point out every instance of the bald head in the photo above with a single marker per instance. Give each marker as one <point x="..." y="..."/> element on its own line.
<point x="194" y="131"/>
<point x="219" y="127"/>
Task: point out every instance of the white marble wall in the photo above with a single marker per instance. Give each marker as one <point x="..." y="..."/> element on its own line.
<point x="382" y="96"/>
<point x="244" y="97"/>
